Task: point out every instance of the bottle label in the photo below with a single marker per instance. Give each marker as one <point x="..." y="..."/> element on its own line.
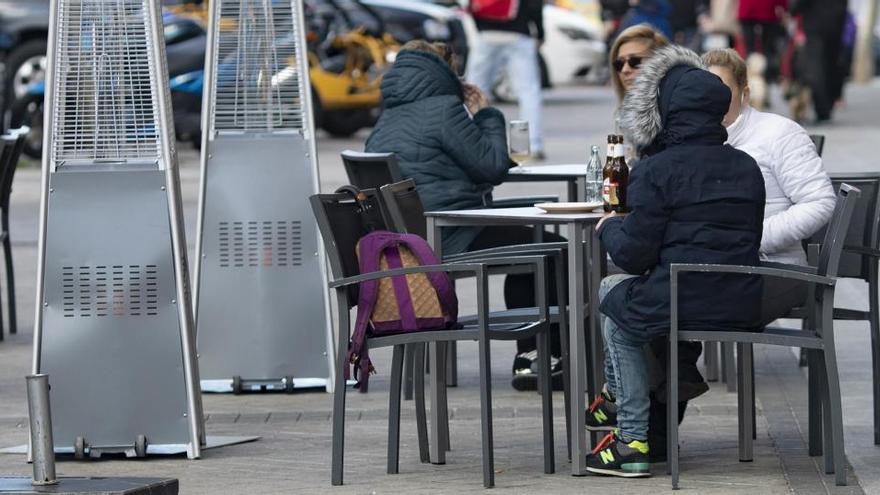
<point x="609" y="192"/>
<point x="618" y="150"/>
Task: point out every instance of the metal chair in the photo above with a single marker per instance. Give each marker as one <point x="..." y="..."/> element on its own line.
<point x="824" y="383"/>
<point x="15" y="140"/>
<point x="370" y="170"/>
<point x="341" y="222"/>
<point x="727" y="363"/>
<point x="405" y="213"/>
<point x="6" y="151"/>
<point x="819" y="141"/>
<point x="860" y="260"/>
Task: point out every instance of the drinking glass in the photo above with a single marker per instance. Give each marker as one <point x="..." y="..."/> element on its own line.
<point x="518" y="141"/>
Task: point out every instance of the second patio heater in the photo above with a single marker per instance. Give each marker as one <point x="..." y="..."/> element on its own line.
<point x="261" y="312"/>
<point x="113" y="325"/>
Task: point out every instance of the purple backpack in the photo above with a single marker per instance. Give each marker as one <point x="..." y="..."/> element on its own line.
<point x="405" y="303"/>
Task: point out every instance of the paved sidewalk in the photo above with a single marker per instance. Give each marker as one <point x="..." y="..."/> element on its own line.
<point x="293" y="453"/>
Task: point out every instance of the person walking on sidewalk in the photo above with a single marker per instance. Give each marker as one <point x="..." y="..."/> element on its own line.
<point x="823" y="23"/>
<point x="512" y="45"/>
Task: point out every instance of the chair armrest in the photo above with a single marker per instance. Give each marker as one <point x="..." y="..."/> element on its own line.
<point x="508" y="260"/>
<point x="864" y="251"/>
<point x="475" y="268"/>
<point x="522" y="201"/>
<point x="539" y="264"/>
<point x="516" y="250"/>
<point x="786" y="266"/>
<point x="787" y="272"/>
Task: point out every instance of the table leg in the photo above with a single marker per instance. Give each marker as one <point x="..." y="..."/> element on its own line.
<point x="576" y="291"/>
<point x="581" y="189"/>
<point x="435" y="241"/>
<point x="437" y="425"/>
<point x="594" y="274"/>
<point x="447" y="352"/>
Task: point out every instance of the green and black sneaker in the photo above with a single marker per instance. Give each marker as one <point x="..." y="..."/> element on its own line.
<point x="602" y="413"/>
<point x="612" y="457"/>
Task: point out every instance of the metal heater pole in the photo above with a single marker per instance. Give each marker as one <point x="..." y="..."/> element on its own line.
<point x="40" y="417"/>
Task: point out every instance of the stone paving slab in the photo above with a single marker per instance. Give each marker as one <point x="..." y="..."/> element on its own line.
<point x="91" y="486"/>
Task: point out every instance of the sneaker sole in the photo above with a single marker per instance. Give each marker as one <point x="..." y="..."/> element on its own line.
<point x="619" y="474"/>
<point x="601" y="428"/>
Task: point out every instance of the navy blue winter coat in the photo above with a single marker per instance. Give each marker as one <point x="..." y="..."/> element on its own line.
<point x="453" y="158"/>
<point x="693" y="200"/>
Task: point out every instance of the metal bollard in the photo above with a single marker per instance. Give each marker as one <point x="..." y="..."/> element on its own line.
<point x="41" y="429"/>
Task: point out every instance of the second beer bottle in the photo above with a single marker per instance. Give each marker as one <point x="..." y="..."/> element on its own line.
<point x="615" y="177"/>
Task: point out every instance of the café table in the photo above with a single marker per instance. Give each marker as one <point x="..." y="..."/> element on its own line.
<point x="584" y="268"/>
<point x="574" y="176"/>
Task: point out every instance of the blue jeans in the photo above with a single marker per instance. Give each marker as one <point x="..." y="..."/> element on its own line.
<point x="519" y="56"/>
<point x="626" y="371"/>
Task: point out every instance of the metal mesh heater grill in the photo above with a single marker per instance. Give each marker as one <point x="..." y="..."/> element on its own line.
<point x="260" y="323"/>
<point x="113" y="325"/>
<point x="258" y="87"/>
<point x="104" y="104"/>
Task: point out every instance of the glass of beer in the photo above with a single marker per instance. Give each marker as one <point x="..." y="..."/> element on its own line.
<point x="518" y="141"/>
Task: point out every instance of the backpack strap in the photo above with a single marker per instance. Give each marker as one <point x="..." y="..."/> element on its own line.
<point x="440" y="280"/>
<point x="370" y="249"/>
<point x="401" y="288"/>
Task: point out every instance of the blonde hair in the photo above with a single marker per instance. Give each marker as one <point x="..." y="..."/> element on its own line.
<point x="728" y="59"/>
<point x="438" y="48"/>
<point x="639" y="32"/>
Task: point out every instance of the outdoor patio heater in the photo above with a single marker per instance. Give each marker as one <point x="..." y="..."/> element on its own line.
<point x="261" y="311"/>
<point x="113" y="320"/>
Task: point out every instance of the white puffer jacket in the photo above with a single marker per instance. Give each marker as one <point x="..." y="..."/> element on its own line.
<point x="800" y="198"/>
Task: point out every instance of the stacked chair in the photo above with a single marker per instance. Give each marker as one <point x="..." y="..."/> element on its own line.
<point x="342" y="221"/>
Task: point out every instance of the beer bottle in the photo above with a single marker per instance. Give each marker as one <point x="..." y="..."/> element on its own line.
<point x="620" y="176"/>
<point x="606" y="172"/>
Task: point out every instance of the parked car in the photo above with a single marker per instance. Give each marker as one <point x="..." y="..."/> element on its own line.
<point x="24" y="26"/>
<point x="408" y="20"/>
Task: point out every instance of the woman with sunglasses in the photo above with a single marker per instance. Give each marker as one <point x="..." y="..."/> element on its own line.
<point x="633" y="46"/>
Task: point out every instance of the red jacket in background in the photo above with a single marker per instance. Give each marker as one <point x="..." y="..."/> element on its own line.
<point x="760" y="10"/>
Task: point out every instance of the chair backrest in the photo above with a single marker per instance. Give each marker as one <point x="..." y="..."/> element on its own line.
<point x="342" y="221"/>
<point x="404" y="208"/>
<point x="864" y="228"/>
<point x="819" y="141"/>
<point x="370" y="170"/>
<point x="835" y="233"/>
<point x="14" y="140"/>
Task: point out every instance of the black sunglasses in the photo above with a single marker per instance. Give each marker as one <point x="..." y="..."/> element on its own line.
<point x="634" y="62"/>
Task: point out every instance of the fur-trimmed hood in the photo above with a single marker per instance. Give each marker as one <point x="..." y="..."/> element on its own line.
<point x="674" y="101"/>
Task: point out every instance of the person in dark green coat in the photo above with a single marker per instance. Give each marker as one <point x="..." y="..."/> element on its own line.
<point x="454" y="145"/>
<point x="454" y="158"/>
